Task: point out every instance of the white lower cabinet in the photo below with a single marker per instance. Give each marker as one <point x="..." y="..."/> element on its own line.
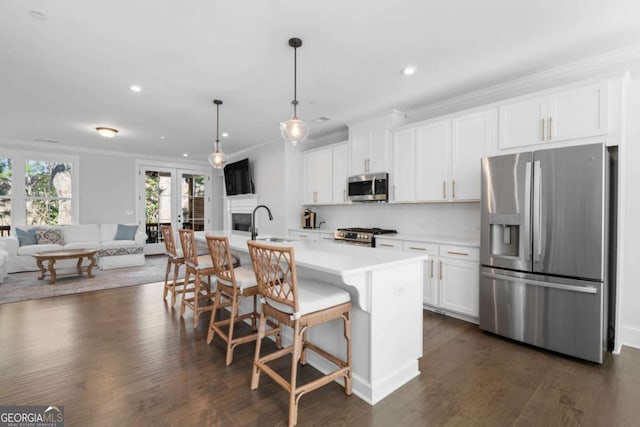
<point x="451" y="276"/>
<point x="458" y="286"/>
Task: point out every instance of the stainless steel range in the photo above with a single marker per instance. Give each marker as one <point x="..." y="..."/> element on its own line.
<point x="360" y="236"/>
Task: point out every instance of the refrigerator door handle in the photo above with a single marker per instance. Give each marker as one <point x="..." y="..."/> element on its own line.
<point x="527" y="212"/>
<point x="537" y="211"/>
<point x="572" y="288"/>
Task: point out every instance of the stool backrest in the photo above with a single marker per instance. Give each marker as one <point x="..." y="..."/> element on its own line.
<point x="169" y="241"/>
<point x="221" y="258"/>
<point x="189" y="249"/>
<point x="275" y="270"/>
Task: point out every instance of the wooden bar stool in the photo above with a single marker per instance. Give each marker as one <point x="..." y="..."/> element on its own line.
<point x="174" y="261"/>
<point x="299" y="305"/>
<point x="234" y="285"/>
<point x="199" y="266"/>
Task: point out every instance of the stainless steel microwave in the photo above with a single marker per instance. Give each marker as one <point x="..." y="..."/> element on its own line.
<point x="370" y="187"/>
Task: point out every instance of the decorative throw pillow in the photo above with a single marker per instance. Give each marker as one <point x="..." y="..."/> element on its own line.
<point x="26" y="237"/>
<point x="126" y="232"/>
<point x="52" y="236"/>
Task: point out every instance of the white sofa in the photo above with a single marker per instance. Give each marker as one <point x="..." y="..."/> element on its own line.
<point x="111" y="253"/>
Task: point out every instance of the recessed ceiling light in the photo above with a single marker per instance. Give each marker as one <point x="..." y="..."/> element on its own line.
<point x="185" y="155"/>
<point x="135" y="88"/>
<point x="37" y="15"/>
<point x="321" y="119"/>
<point x="225" y="134"/>
<point x="163" y="137"/>
<point x="409" y="71"/>
<point x="107" y="132"/>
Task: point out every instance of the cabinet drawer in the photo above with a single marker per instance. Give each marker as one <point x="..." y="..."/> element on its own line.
<point x="326" y="237"/>
<point x="389" y="244"/>
<point x="420" y="247"/>
<point x="304" y="236"/>
<point x="460" y="252"/>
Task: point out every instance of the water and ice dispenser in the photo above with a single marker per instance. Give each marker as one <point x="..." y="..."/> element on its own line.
<point x="504" y="232"/>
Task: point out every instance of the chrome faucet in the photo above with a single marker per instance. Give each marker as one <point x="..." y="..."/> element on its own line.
<point x="254" y="230"/>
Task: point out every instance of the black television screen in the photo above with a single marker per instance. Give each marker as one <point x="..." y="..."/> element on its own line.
<point x="237" y="178"/>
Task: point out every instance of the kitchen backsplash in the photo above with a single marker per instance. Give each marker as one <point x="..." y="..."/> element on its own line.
<point x="442" y="219"/>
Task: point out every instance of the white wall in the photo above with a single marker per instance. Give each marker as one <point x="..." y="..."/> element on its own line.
<point x="439" y="219"/>
<point x="630" y="297"/>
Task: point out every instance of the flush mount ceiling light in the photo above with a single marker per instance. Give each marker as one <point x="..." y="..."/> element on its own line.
<point x="135" y="88"/>
<point x="294" y="130"/>
<point x="37" y="15"/>
<point x="409" y="71"/>
<point x="217" y="159"/>
<point x="107" y="132"/>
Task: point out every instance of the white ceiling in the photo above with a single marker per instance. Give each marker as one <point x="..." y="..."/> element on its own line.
<point x="62" y="76"/>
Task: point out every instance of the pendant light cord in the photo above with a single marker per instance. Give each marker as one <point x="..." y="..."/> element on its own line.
<point x="295" y="80"/>
<point x="217" y="123"/>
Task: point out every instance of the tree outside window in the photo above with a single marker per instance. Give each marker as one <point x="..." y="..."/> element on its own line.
<point x="5" y="191"/>
<point x="48" y="192"/>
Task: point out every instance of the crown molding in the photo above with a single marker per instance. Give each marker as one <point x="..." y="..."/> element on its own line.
<point x="590" y="67"/>
<point x="25" y="145"/>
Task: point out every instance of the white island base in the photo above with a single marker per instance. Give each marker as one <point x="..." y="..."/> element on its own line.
<point x="386" y="325"/>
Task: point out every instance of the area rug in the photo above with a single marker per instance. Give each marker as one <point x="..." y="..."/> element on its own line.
<point x="26" y="286"/>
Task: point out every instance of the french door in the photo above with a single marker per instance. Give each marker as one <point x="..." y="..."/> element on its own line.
<point x="172" y="196"/>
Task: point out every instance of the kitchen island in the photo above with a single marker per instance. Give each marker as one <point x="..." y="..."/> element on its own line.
<point x="386" y="292"/>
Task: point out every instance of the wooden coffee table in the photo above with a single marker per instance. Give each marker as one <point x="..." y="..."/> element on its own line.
<point x="52" y="256"/>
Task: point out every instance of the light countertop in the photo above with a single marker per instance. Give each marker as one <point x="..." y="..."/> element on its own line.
<point x="328" y="257"/>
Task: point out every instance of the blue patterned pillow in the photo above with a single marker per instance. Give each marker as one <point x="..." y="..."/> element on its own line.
<point x="126" y="232"/>
<point x="26" y="237"/>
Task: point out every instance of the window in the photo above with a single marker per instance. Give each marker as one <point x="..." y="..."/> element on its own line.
<point x="37" y="188"/>
<point x="5" y="195"/>
<point x="49" y="192"/>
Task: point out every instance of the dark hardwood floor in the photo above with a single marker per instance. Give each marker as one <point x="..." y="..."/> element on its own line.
<point x="122" y="357"/>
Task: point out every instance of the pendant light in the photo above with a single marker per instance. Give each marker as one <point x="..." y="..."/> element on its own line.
<point x="217" y="159"/>
<point x="294" y="130"/>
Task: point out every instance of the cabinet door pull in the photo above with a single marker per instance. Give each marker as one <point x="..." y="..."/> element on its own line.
<point x="457" y="253"/>
<point x="418" y="249"/>
<point x="541" y="129"/>
<point x="344" y="195"/>
<point x="444" y="189"/>
<point x="550" y="129"/>
<point x="432" y="269"/>
<point x="303" y="235"/>
<point x="385" y="245"/>
<point x="453" y="188"/>
<point x="440" y="270"/>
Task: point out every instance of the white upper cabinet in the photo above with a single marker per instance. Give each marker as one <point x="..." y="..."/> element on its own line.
<point x="471" y="135"/>
<point x="579" y="112"/>
<point x="317" y="176"/>
<point x="325" y="175"/>
<point x="433" y="151"/>
<point x="340" y="158"/>
<point x="370" y="144"/>
<point x="440" y="160"/>
<point x="404" y="166"/>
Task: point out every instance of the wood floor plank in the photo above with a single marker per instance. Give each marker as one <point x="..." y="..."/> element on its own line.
<point x="124" y="357"/>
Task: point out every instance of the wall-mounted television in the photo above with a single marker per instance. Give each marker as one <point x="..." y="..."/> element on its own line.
<point x="237" y="178"/>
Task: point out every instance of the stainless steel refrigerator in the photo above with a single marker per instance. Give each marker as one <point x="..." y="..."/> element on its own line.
<point x="545" y="224"/>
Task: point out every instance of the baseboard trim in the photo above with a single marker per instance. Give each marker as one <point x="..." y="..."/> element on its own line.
<point x="630" y="336"/>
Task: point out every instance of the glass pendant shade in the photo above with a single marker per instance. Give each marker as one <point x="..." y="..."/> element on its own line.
<point x="218" y="159"/>
<point x="294" y="130"/>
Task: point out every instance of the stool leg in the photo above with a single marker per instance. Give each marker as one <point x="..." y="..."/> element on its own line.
<point x="176" y="271"/>
<point x="232" y="318"/>
<point x="196" y="300"/>
<point x="216" y="302"/>
<point x="255" y="374"/>
<point x="295" y="357"/>
<point x="347" y="335"/>
<point x="166" y="278"/>
<point x="183" y="304"/>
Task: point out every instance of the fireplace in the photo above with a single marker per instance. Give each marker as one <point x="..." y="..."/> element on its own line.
<point x="240" y="221"/>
